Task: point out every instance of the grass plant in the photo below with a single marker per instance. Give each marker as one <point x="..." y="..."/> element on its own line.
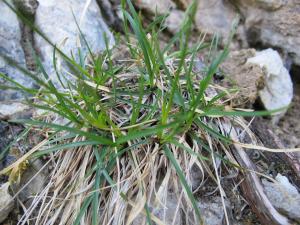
<point x="123" y="132"/>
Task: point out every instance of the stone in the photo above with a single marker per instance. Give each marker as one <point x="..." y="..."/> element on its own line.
<point x="10" y="46"/>
<point x="155" y="6"/>
<point x="6" y="202"/>
<point x="246" y="78"/>
<point x="31" y="187"/>
<point x="57" y="22"/>
<point x="212" y="211"/>
<point x="182" y="4"/>
<point x="28" y="7"/>
<point x="284" y="196"/>
<point x="174" y="20"/>
<point x="8" y="132"/>
<point x="278" y="90"/>
<point x="273" y="23"/>
<point x="215" y="17"/>
<point x="165" y="209"/>
<point x="14" y="110"/>
<point x="110" y="11"/>
<point x="196" y="177"/>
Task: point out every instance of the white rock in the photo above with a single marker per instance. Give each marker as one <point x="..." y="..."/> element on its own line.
<point x="6" y="202"/>
<point x="286" y="184"/>
<point x="55" y="19"/>
<point x="284" y="196"/>
<point x="278" y="90"/>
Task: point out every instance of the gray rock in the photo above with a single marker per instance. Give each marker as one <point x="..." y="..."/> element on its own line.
<point x="215" y="17"/>
<point x="14" y="110"/>
<point x="174" y="20"/>
<point x="212" y="210"/>
<point x="10" y="37"/>
<point x="273" y="23"/>
<point x="278" y="90"/>
<point x="28" y="7"/>
<point x="196" y="177"/>
<point x="56" y="21"/>
<point x="284" y="196"/>
<point x="155" y="6"/>
<point x="6" y="202"/>
<point x="164" y="209"/>
<point x="32" y="181"/>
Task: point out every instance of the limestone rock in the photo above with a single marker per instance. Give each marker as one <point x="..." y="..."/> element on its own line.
<point x="55" y="19"/>
<point x="10" y="37"/>
<point x="278" y="90"/>
<point x="6" y="202"/>
<point x="284" y="196"/>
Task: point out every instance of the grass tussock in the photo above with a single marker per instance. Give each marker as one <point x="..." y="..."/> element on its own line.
<point x="125" y="129"/>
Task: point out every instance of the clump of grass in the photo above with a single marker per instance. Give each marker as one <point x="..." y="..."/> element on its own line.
<point x="133" y="128"/>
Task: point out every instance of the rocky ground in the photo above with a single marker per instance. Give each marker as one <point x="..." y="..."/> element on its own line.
<point x="264" y="64"/>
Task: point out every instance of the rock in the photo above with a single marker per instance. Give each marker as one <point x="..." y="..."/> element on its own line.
<point x="35" y="186"/>
<point x="196" y="176"/>
<point x="246" y="78"/>
<point x="6" y="202"/>
<point x="284" y="196"/>
<point x="166" y="210"/>
<point x="110" y="11"/>
<point x="28" y="7"/>
<point x="267" y="23"/>
<point x="10" y="38"/>
<point x="56" y="21"/>
<point x="182" y="4"/>
<point x="215" y="17"/>
<point x="278" y="90"/>
<point x="155" y="6"/>
<point x="271" y="4"/>
<point x="211" y="210"/>
<point x="273" y="23"/>
<point x="8" y="132"/>
<point x="258" y="74"/>
<point x="174" y="20"/>
<point x="14" y="110"/>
